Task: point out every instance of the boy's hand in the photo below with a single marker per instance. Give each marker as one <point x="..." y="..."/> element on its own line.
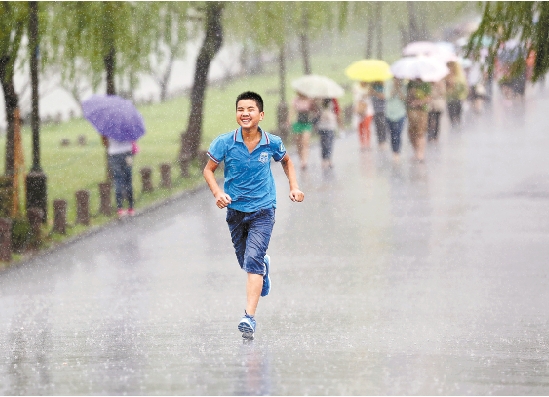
<point x="296" y="195"/>
<point x="222" y="199"/>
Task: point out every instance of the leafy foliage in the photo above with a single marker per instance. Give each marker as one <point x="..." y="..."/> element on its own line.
<point x="526" y="21"/>
<point x="13" y="17"/>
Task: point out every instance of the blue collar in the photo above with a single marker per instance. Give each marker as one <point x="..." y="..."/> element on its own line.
<point x="238" y="136"/>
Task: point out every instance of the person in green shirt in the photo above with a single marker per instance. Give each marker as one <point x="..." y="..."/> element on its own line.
<point x="417" y="105"/>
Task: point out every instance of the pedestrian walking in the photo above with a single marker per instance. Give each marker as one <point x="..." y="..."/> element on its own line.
<point x="327" y="127"/>
<point x="363" y="113"/>
<point x="250" y="195"/>
<point x="120" y="159"/>
<point x="417" y="102"/>
<point x="395" y="112"/>
<point x="302" y="111"/>
<point x="477" y="92"/>
<point x="456" y="92"/>
<point x="378" y="102"/>
<point x="436" y="108"/>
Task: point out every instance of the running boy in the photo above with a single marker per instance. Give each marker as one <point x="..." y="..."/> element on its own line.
<point x="250" y="195"/>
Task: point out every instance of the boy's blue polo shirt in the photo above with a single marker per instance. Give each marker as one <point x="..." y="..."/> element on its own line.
<point x="248" y="177"/>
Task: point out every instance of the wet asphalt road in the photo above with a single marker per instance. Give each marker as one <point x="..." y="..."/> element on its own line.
<point x="389" y="279"/>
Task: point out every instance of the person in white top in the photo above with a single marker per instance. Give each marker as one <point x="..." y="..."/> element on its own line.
<point x="327" y="127"/>
<point x="120" y="158"/>
<point x="363" y="112"/>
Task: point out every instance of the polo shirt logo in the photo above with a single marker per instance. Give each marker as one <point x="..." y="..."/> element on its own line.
<point x="264" y="157"/>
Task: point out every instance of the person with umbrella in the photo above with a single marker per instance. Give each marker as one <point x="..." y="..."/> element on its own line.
<point x="305" y="109"/>
<point x="120" y="125"/>
<point x="302" y="111"/>
<point x="420" y="71"/>
<point x="363" y="113"/>
<point x="417" y="102"/>
<point x="369" y="101"/>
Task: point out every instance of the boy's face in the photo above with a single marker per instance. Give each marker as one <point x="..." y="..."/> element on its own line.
<point x="248" y="114"/>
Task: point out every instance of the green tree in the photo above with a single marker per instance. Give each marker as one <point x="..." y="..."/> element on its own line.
<point x="527" y="21"/>
<point x="213" y="29"/>
<point x="13" y="22"/>
<point x="103" y="37"/>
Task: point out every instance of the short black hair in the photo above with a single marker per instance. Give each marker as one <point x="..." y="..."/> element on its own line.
<point x="253" y="96"/>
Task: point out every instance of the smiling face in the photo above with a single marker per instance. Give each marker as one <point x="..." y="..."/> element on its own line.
<point x="248" y="115"/>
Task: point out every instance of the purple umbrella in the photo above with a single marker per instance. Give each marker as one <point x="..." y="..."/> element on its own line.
<point x="114" y="117"/>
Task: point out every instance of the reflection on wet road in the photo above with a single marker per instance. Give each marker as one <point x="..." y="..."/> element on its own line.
<point x="391" y="278"/>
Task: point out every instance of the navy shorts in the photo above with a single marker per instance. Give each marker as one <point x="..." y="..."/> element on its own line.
<point x="251" y="233"/>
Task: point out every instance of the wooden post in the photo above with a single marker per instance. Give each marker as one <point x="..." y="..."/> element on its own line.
<point x="83" y="207"/>
<point x="60" y="216"/>
<point x="5" y="239"/>
<point x="146" y="180"/>
<point x="105" y="207"/>
<point x="35" y="216"/>
<point x="166" y="176"/>
<point x="18" y="159"/>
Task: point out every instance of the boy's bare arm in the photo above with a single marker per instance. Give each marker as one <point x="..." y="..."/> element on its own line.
<point x="289" y="170"/>
<point x="221" y="198"/>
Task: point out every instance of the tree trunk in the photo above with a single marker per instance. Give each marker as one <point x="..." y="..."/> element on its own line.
<point x="282" y="113"/>
<point x="379" y="30"/>
<point x="166" y="79"/>
<point x="304" y="44"/>
<point x="191" y="139"/>
<point x="110" y="64"/>
<point x="413" y="33"/>
<point x="370" y="35"/>
<point x="11" y="103"/>
<point x="35" y="116"/>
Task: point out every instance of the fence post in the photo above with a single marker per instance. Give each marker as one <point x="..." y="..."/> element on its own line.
<point x="35" y="216"/>
<point x="166" y="174"/>
<point x="105" y="207"/>
<point x="146" y="179"/>
<point x="60" y="216"/>
<point x="83" y="207"/>
<point x="5" y="239"/>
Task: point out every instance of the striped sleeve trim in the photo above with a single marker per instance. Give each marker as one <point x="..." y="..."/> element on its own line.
<point x="213" y="158"/>
<point x="278" y="161"/>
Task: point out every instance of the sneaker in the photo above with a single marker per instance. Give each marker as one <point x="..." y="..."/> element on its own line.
<point x="266" y="278"/>
<point x="131" y="212"/>
<point x="121" y="212"/>
<point x="247" y="326"/>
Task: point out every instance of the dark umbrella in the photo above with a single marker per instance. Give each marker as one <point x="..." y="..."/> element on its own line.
<point x="114" y="117"/>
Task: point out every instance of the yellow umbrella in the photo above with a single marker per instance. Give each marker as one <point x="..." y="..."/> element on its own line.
<point x="369" y="70"/>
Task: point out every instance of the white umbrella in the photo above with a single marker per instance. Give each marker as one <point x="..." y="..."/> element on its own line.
<point x="315" y="86"/>
<point x="442" y="50"/>
<point x="425" y="68"/>
<point x="419" y="48"/>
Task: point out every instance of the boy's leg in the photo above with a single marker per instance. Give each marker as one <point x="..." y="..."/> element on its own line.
<point x="239" y="233"/>
<point x="259" y="235"/>
<point x="253" y="291"/>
